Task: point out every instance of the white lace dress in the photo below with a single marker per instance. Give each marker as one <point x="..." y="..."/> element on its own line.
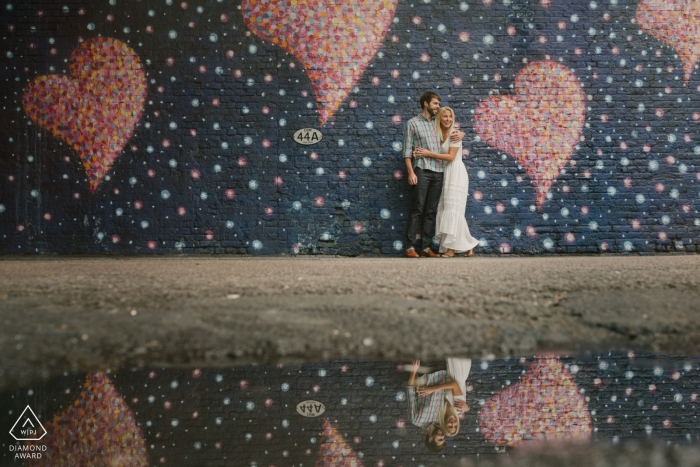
<point x="451" y="229"/>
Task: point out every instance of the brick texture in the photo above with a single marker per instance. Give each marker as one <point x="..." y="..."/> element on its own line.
<point x="581" y="121"/>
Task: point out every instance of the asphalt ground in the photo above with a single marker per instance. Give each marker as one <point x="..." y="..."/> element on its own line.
<point x="74" y="314"/>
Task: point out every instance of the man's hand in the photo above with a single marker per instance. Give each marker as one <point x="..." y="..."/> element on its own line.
<point x="457" y="136"/>
<point x="413" y="180"/>
<point x="425" y="391"/>
<point x="461" y="406"/>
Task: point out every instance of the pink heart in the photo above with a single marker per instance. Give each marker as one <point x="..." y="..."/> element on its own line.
<point x="675" y="22"/>
<point x="334" y="451"/>
<point x="335" y="41"/>
<point x="96" y="109"/>
<point x="545" y="404"/>
<point x="540" y="125"/>
<point x="98" y="429"/>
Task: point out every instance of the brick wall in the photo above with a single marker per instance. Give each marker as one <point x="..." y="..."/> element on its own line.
<point x="581" y="121"/>
<point x="246" y="415"/>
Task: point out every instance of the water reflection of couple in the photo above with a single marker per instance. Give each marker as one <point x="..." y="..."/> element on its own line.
<point x="437" y="401"/>
<point x="439" y="180"/>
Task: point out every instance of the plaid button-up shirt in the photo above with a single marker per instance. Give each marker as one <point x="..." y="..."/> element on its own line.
<point x="425" y="410"/>
<point x="421" y="133"/>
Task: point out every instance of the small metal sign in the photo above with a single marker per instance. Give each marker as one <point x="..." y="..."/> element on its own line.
<point x="310" y="408"/>
<point x="307" y="136"/>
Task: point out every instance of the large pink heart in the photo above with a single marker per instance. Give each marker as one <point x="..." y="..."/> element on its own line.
<point x="545" y="404"/>
<point x="540" y="125"/>
<point x="97" y="430"/>
<point x="335" y="41"/>
<point x="96" y="109"/>
<point x="676" y="22"/>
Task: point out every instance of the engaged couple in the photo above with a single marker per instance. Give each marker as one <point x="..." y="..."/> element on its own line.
<point x="440" y="184"/>
<point x="437" y="401"/>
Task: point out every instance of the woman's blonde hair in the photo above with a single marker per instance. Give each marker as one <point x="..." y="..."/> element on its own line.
<point x="446" y="411"/>
<point x="438" y="119"/>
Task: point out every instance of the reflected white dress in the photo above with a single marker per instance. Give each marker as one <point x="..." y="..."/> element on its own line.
<point x="458" y="370"/>
<point x="451" y="229"/>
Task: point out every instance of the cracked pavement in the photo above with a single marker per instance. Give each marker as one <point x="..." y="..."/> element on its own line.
<point x="79" y="314"/>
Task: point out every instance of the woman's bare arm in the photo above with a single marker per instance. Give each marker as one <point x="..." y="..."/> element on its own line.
<point x="424" y="391"/>
<point x="449" y="157"/>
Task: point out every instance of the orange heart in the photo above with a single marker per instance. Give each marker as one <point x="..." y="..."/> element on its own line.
<point x="539" y="126"/>
<point x="97" y="430"/>
<point x="675" y="22"/>
<point x="544" y="404"/>
<point x="335" y="41"/>
<point x="96" y="109"/>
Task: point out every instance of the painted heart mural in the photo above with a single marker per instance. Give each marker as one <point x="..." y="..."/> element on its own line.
<point x="539" y="125"/>
<point x="334" y="451"/>
<point x="95" y="109"/>
<point x="545" y="404"/>
<point x="335" y="41"/>
<point x="97" y="430"/>
<point x="675" y="22"/>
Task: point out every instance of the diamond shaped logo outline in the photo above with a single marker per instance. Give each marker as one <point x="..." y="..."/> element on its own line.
<point x="36" y="419"/>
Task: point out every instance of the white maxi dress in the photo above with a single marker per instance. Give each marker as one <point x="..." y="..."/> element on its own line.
<point x="451" y="229"/>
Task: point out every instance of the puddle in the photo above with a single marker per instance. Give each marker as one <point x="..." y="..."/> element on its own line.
<point x="348" y="412"/>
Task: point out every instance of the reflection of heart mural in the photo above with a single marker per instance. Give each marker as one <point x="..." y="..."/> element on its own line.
<point x="540" y="125"/>
<point x="96" y="109"/>
<point x="335" y="41"/>
<point x="544" y="404"/>
<point x="97" y="430"/>
<point x="676" y="22"/>
<point x="334" y="451"/>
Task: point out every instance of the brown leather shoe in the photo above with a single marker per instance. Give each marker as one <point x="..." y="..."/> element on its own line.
<point x="411" y="253"/>
<point x="428" y="253"/>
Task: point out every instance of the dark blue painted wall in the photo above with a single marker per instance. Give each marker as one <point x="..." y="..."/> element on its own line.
<point x="344" y="195"/>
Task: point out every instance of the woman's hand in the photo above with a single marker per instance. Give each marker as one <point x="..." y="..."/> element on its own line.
<point x="420" y="152"/>
<point x="425" y="391"/>
<point x="461" y="406"/>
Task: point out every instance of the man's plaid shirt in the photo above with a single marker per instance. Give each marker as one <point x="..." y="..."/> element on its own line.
<point x="420" y="133"/>
<point x="425" y="410"/>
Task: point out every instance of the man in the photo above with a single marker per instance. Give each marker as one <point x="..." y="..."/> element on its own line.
<point x="424" y="412"/>
<point x="424" y="175"/>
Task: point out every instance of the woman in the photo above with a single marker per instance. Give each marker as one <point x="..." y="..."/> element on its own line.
<point x="451" y="227"/>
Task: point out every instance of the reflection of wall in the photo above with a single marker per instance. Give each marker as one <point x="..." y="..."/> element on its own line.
<point x="247" y="414"/>
<point x="593" y="148"/>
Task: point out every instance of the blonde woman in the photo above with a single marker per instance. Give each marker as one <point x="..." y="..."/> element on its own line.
<point x="451" y="230"/>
